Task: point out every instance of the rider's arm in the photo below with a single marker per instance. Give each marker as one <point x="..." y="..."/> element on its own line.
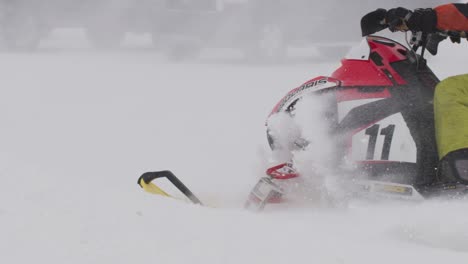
<point x="449" y="17"/>
<point x="452" y="17"/>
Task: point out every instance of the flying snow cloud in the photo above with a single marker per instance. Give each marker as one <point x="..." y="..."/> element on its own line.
<point x="304" y="138"/>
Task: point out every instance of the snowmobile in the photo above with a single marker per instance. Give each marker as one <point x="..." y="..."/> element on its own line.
<point x="380" y="113"/>
<point x="381" y="119"/>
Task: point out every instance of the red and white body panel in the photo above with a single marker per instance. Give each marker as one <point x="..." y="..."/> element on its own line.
<point x="354" y="84"/>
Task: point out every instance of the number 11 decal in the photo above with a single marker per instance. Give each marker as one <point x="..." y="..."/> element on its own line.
<point x="373" y="133"/>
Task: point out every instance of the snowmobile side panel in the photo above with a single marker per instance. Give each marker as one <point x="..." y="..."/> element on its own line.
<point x="386" y="190"/>
<point x="311" y="86"/>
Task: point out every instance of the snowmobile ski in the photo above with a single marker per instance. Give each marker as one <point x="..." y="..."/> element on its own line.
<point x="265" y="191"/>
<point x="146" y="182"/>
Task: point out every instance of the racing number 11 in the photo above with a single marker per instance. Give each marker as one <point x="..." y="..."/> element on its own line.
<point x="373" y="133"/>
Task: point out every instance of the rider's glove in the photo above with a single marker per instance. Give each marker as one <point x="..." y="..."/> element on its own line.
<point x="397" y="19"/>
<point x="423" y="19"/>
<point x="402" y="19"/>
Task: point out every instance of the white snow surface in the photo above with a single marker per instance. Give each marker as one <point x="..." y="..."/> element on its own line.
<point x="79" y="127"/>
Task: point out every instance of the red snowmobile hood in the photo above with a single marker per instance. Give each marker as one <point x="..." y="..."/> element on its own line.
<point x="370" y="63"/>
<point x="367" y="65"/>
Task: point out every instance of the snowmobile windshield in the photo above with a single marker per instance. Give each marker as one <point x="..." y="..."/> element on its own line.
<point x="359" y="52"/>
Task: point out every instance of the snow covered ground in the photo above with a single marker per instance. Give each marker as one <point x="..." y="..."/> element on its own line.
<point x="78" y="128"/>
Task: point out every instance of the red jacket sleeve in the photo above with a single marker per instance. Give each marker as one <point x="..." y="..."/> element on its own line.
<point x="452" y="17"/>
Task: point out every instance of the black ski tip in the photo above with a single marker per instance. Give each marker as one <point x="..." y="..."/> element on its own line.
<point x="139" y="181"/>
<point x="148" y="177"/>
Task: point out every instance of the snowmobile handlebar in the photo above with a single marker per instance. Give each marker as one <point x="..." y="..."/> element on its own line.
<point x="375" y="21"/>
<point x="431" y="41"/>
